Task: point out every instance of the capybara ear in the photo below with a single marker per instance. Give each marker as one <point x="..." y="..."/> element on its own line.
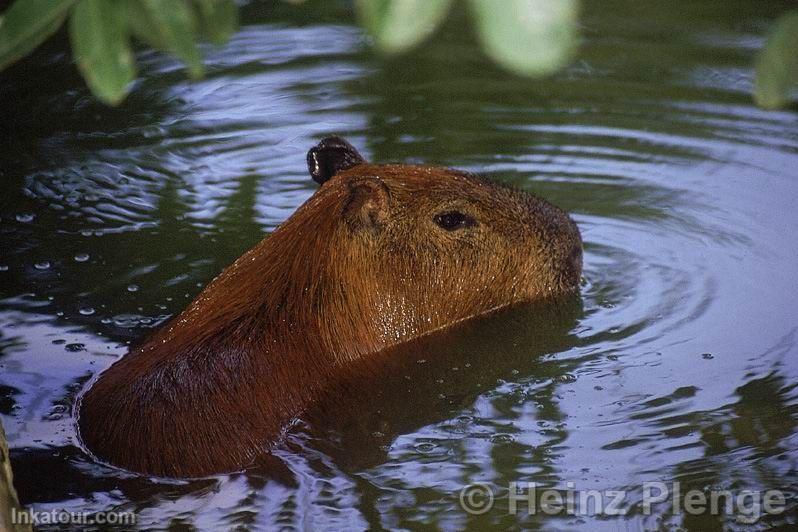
<point x="330" y="156"/>
<point x="368" y="204"/>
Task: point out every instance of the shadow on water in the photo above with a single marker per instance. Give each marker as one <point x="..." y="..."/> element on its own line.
<point x="422" y="382"/>
<point x="439" y="376"/>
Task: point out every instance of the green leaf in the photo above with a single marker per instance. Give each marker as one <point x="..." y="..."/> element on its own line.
<point x="528" y="37"/>
<point x="27" y="24"/>
<point x="101" y="47"/>
<point x="142" y="26"/>
<point x="398" y="25"/>
<point x="218" y="19"/>
<point x="776" y="70"/>
<point x="169" y="25"/>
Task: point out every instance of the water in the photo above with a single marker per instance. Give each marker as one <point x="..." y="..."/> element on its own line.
<point x="678" y="364"/>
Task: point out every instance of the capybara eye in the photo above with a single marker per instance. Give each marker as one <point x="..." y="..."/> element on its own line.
<point x="454" y="220"/>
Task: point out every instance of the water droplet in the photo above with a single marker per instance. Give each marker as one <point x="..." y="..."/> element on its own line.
<point x="501" y="438"/>
<point x="132" y="288"/>
<point x="56" y="413"/>
<point x="708" y="356"/>
<point x="86" y="311"/>
<point x="425" y="447"/>
<point x="25" y="217"/>
<point x="3" y="268"/>
<point x="81" y="257"/>
<point x="43" y="265"/>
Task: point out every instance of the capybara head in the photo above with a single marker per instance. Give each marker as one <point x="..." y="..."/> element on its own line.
<point x="431" y="246"/>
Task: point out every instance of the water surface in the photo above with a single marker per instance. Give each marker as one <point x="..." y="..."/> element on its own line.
<point x="677" y="364"/>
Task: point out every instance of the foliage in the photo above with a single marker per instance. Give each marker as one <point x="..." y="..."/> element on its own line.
<point x="101" y="48"/>
<point x="26" y="24"/>
<point x="8" y="495"/>
<point x="777" y="64"/>
<point x="529" y="37"/>
<point x="100" y="33"/>
<point x="397" y="26"/>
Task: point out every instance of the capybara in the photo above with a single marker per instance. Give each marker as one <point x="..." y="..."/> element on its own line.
<point x="380" y="254"/>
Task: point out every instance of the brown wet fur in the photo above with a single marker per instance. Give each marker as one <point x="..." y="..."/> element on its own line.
<point x="360" y="267"/>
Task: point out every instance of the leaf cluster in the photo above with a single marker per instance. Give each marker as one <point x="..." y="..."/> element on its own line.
<point x="529" y="37"/>
<point x="101" y="34"/>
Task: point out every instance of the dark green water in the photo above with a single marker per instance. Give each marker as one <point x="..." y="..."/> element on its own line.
<point x="677" y="365"/>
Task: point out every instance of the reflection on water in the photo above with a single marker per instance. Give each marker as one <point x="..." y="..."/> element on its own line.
<point x="677" y="364"/>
